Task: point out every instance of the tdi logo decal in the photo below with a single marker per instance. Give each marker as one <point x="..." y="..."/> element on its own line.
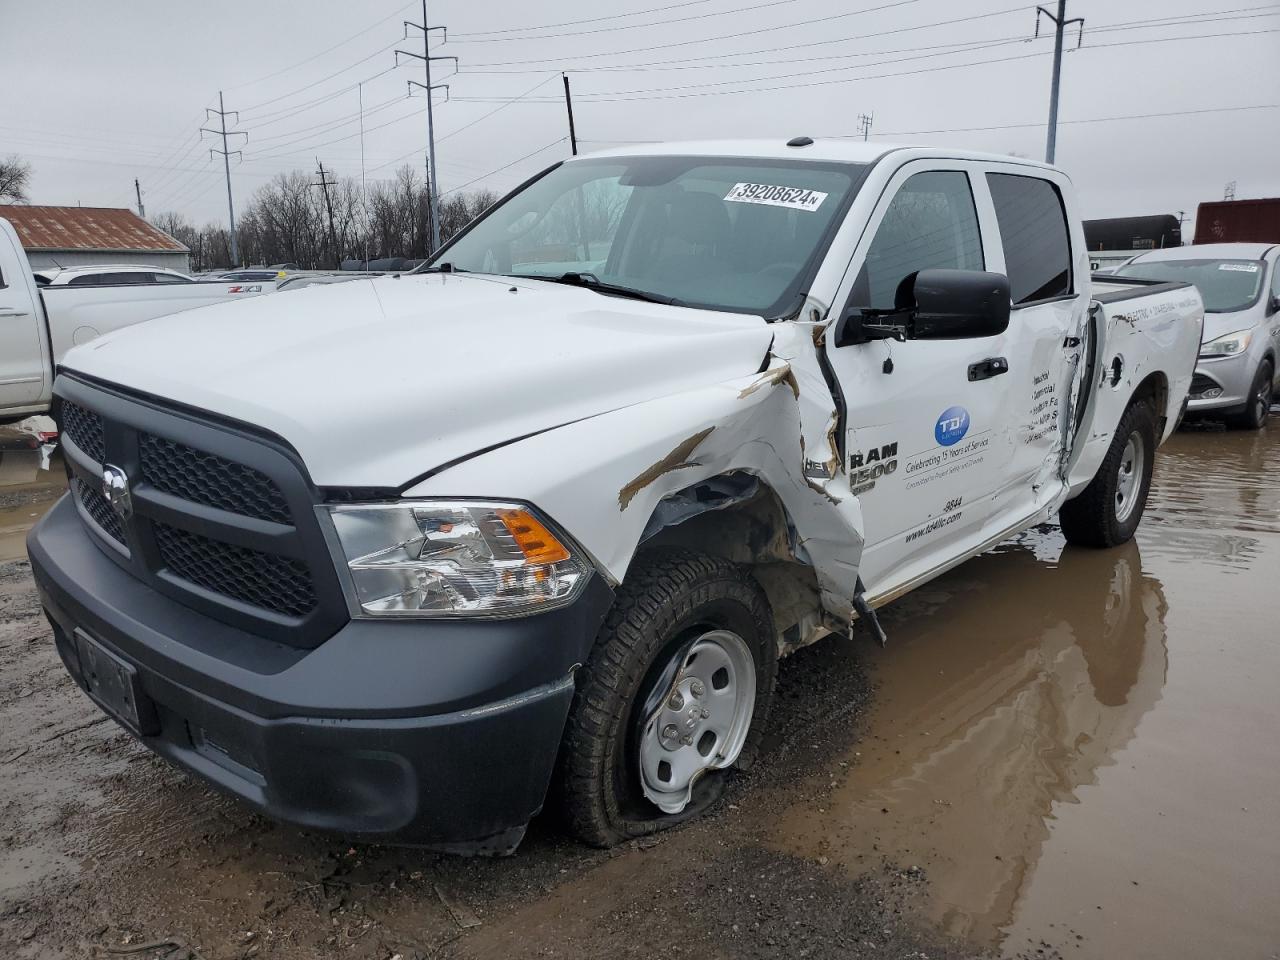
<point x="951" y="426"/>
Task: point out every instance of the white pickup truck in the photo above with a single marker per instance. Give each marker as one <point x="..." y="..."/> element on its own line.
<point x="403" y="557"/>
<point x="39" y="323"/>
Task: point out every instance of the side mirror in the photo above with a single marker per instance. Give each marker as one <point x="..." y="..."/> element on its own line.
<point x="938" y="304"/>
<point x="955" y="304"/>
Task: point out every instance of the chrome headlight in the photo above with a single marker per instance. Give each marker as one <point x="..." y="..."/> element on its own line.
<point x="1228" y="345"/>
<point x="436" y="558"/>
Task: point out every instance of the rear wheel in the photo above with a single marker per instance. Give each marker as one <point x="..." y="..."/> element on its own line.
<point x="1258" y="407"/>
<point x="1107" y="512"/>
<point x="674" y="694"/>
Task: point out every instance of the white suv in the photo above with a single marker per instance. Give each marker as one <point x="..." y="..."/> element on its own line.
<point x="108" y="273"/>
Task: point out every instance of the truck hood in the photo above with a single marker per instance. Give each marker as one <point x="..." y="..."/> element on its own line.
<point x="376" y="382"/>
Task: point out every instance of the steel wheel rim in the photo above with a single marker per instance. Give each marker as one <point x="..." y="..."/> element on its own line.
<point x="1133" y="467"/>
<point x="702" y="722"/>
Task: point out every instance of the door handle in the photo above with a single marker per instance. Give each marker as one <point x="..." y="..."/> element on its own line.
<point x="13" y="313"/>
<point x="988" y="368"/>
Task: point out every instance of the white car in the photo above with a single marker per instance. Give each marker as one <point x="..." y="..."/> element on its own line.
<point x="390" y="559"/>
<point x="1240" y="284"/>
<point x="107" y="274"/>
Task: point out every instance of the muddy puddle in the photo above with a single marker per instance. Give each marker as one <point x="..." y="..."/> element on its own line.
<point x="30" y="483"/>
<point x="1061" y="753"/>
<point x="1080" y="747"/>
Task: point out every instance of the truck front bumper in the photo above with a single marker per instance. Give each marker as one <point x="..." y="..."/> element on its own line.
<point x="441" y="733"/>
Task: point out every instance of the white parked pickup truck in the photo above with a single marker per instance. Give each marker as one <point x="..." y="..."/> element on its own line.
<point x="39" y="322"/>
<point x="403" y="557"/>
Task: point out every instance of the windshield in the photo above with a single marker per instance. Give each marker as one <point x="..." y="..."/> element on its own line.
<point x="728" y="234"/>
<point x="1225" y="285"/>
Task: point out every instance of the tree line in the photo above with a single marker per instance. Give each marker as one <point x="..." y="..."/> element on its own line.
<point x="289" y="220"/>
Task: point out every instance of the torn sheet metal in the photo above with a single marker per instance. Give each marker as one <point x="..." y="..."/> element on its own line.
<point x="606" y="477"/>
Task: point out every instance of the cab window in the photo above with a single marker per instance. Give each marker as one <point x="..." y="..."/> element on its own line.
<point x="1033" y="234"/>
<point x="930" y="223"/>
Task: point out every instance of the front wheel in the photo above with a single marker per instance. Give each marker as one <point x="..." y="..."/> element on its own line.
<point x="1258" y="407"/>
<point x="674" y="694"/>
<point x="1107" y="512"/>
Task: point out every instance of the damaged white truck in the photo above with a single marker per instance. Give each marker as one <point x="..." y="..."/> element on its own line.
<point x="402" y="558"/>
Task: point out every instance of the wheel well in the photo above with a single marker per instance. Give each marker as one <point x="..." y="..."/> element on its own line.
<point x="741" y="518"/>
<point x="1156" y="389"/>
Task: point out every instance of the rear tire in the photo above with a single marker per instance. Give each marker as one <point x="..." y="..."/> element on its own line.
<point x="1258" y="407"/>
<point x="671" y="602"/>
<point x="1107" y="512"/>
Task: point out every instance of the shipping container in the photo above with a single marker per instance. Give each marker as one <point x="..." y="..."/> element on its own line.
<point x="1239" y="221"/>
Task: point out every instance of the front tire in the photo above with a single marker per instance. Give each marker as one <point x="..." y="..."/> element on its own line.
<point x="1107" y="512"/>
<point x="634" y="760"/>
<point x="1258" y="407"/>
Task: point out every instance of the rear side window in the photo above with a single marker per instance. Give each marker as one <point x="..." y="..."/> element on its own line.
<point x="130" y="277"/>
<point x="1033" y="233"/>
<point x="930" y="223"/>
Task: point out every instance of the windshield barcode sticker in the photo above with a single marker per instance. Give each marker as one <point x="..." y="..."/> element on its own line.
<point x="1239" y="267"/>
<point x="796" y="198"/>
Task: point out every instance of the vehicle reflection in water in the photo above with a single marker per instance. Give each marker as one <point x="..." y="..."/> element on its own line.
<point x="998" y="699"/>
<point x="28" y="488"/>
<point x="1079" y="746"/>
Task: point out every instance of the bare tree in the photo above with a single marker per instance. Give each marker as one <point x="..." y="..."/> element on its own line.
<point x="15" y="178"/>
<point x="286" y="222"/>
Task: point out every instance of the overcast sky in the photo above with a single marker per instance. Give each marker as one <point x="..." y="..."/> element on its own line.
<point x="98" y="92"/>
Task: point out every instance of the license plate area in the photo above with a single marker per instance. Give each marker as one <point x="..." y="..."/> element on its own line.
<point x="113" y="684"/>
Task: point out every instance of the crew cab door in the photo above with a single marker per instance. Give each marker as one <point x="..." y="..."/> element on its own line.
<point x="927" y="443"/>
<point x="22" y="359"/>
<point x="1045" y="335"/>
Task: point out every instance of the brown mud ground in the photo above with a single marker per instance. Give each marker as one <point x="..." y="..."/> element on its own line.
<point x="1069" y="753"/>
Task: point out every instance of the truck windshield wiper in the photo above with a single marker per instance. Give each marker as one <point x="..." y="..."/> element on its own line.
<point x="576" y="278"/>
<point x="445" y="267"/>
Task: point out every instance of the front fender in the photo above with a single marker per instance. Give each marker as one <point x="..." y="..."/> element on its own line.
<point x="601" y="478"/>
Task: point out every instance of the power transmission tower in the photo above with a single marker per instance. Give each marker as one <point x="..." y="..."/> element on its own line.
<point x="568" y="102"/>
<point x="864" y="124"/>
<point x="1229" y="192"/>
<point x="222" y="114"/>
<point x="324" y="184"/>
<point x="137" y="189"/>
<point x="426" y="58"/>
<point x="1060" y="24"/>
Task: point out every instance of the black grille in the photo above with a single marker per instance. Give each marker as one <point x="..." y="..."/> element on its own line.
<point x="1200" y="383"/>
<point x="84" y="427"/>
<point x="95" y="504"/>
<point x="261" y="579"/>
<point x="209" y="479"/>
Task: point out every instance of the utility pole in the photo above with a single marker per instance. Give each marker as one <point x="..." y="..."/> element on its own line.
<point x="142" y="211"/>
<point x="364" y="189"/>
<point x="324" y="184"/>
<point x="426" y="58"/>
<point x="1060" y="24"/>
<point x="864" y="124"/>
<point x="1229" y="191"/>
<point x="568" y="102"/>
<point x="222" y="114"/>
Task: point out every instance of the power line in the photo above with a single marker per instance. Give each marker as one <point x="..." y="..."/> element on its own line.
<point x="467" y="126"/>
<point x="684" y="63"/>
<point x="574" y="23"/>
<point x="668" y="93"/>
<point x="313" y="83"/>
<point x="795" y="46"/>
<point x="656" y="23"/>
<point x="506" y="166"/>
<point x="326" y="50"/>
